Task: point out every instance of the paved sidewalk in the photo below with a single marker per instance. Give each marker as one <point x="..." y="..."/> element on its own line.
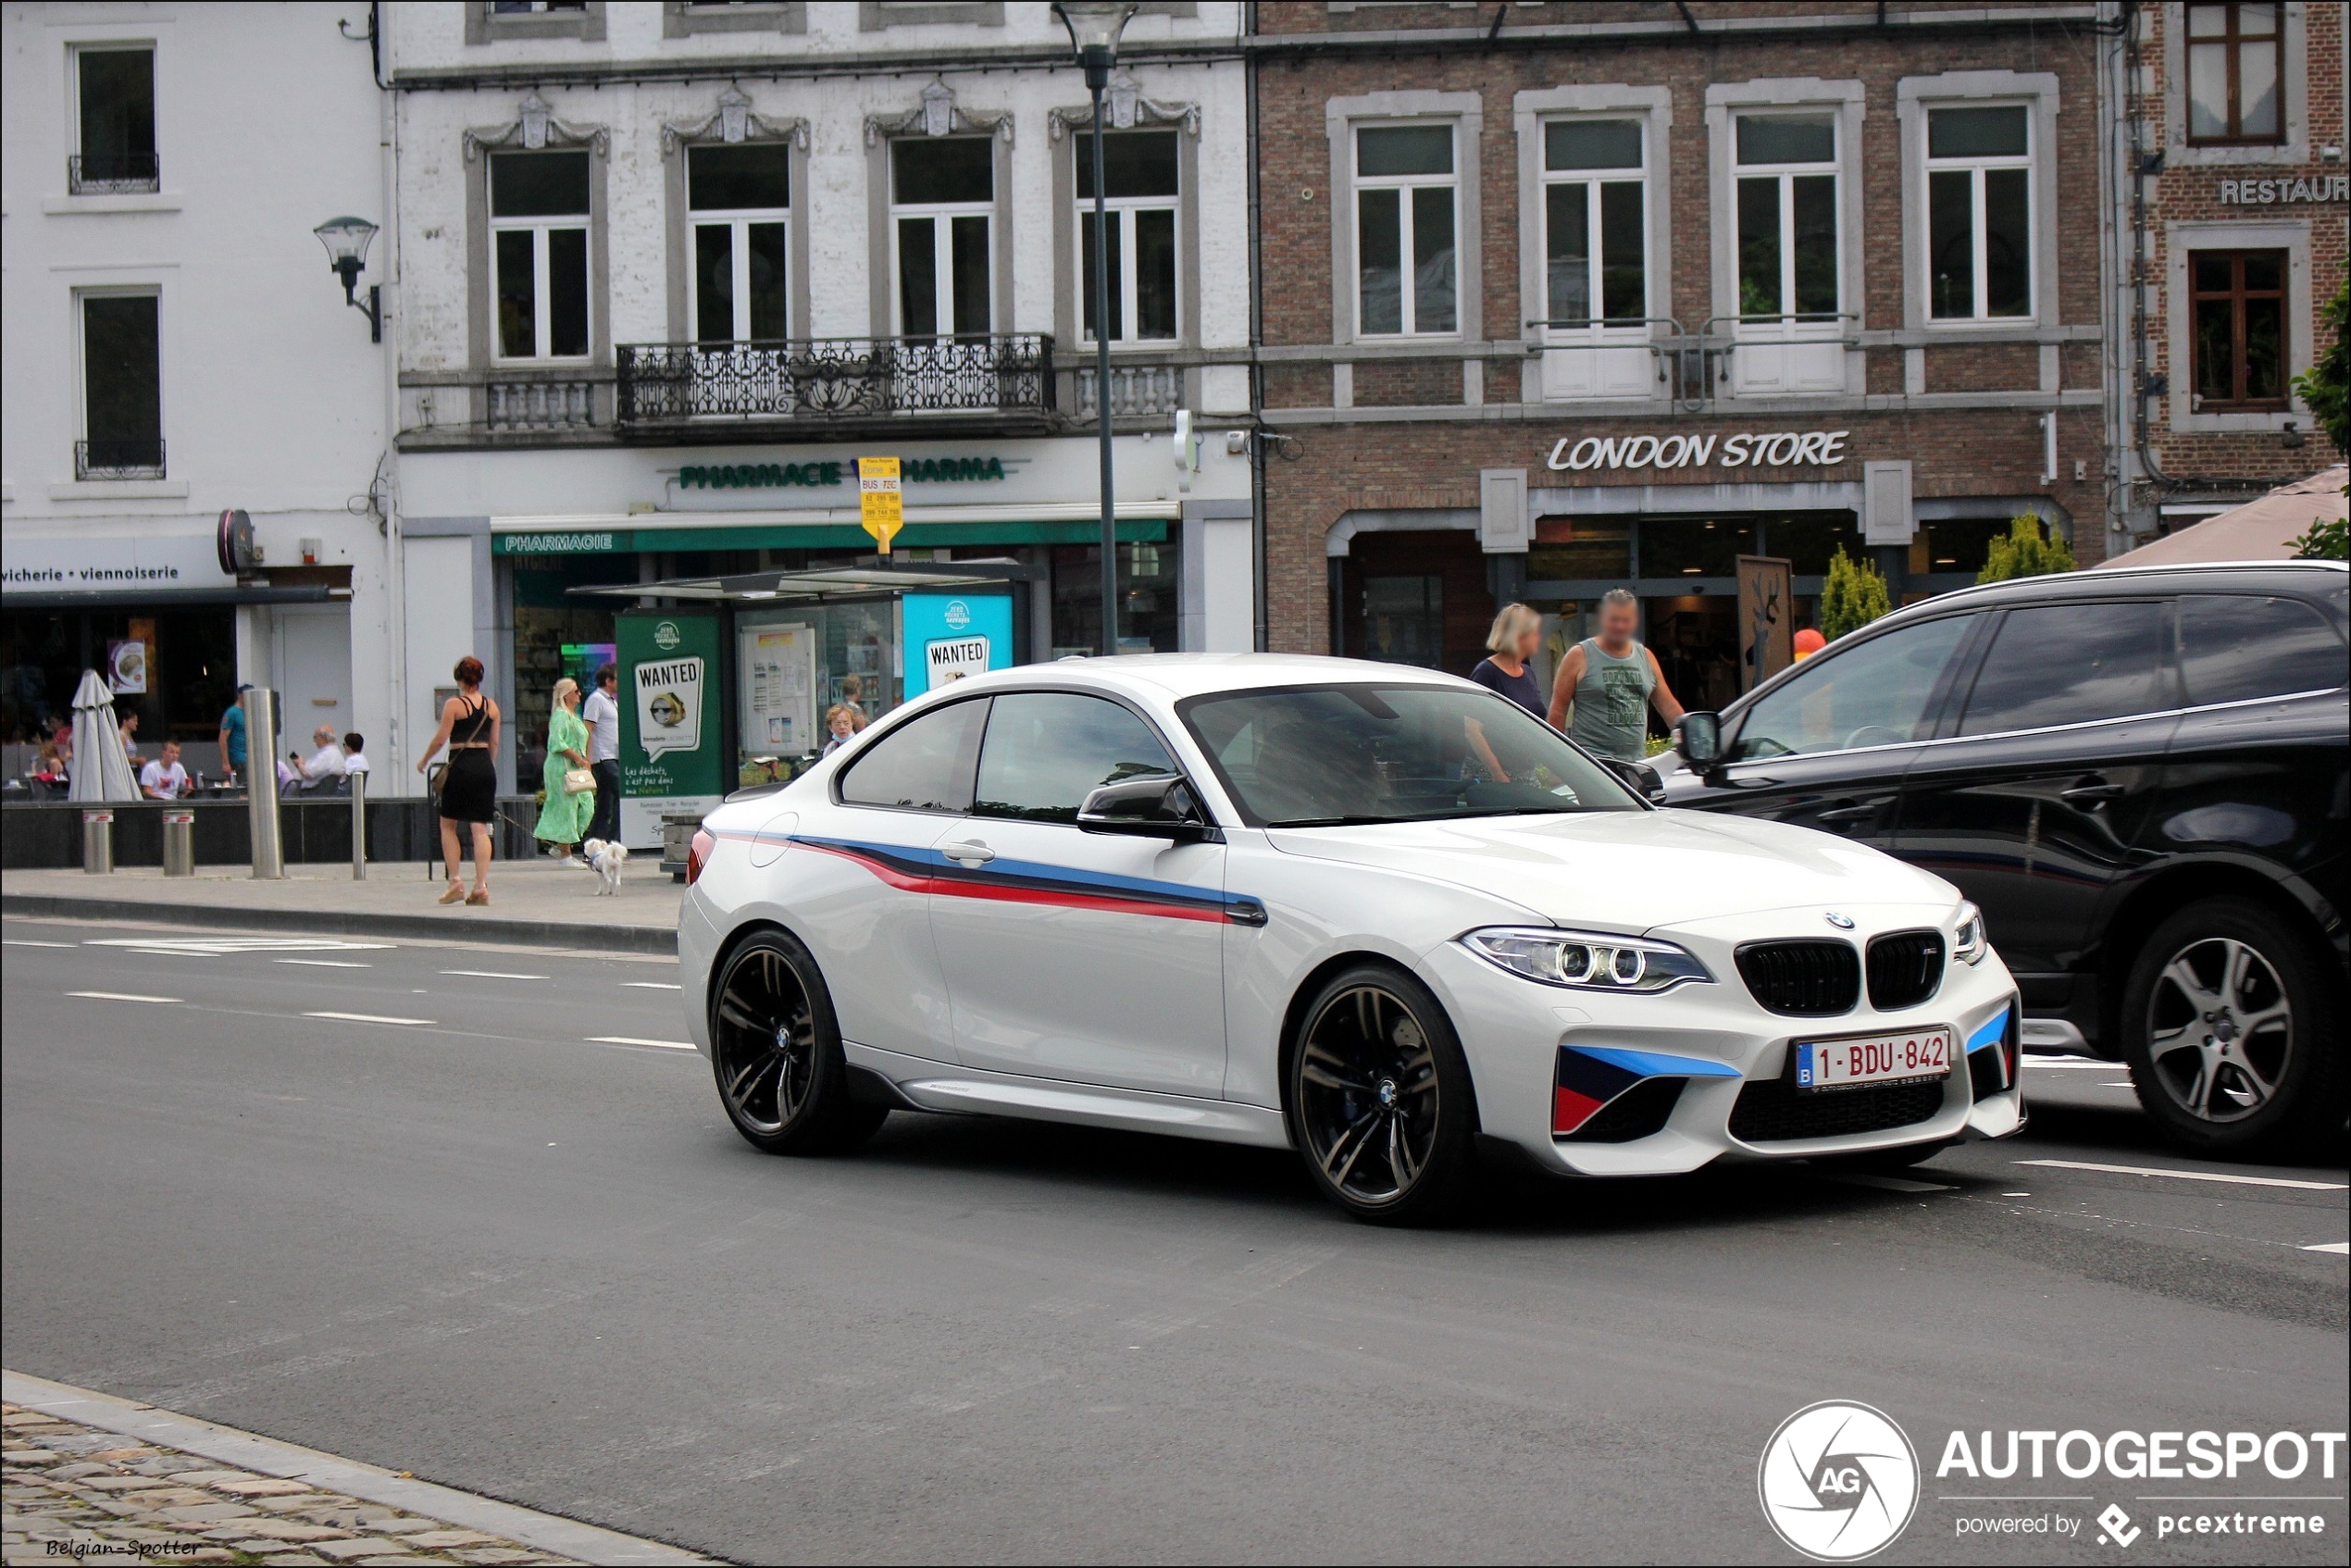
<point x="530" y="901"/>
<point x="128" y="1483"/>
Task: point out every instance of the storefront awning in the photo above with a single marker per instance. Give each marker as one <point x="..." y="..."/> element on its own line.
<point x="823" y="583"/>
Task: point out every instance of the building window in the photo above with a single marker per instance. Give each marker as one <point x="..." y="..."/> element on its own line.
<point x="1405" y="204"/>
<point x="1595" y="222"/>
<point x="2238" y="298"/>
<point x="1140" y="181"/>
<point x="116" y="154"/>
<point x="1979" y="200"/>
<point x="535" y="8"/>
<point x="122" y="388"/>
<point x="738" y="198"/>
<point x="1786" y="193"/>
<point x="538" y="236"/>
<point x="942" y="217"/>
<point x="2234" y="57"/>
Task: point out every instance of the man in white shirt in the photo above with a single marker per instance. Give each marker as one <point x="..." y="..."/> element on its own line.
<point x="325" y="764"/>
<point x="164" y="778"/>
<point x="355" y="753"/>
<point x="602" y="715"/>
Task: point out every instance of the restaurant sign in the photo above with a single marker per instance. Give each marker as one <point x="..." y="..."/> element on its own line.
<point x="2316" y="190"/>
<point x="1775" y="449"/>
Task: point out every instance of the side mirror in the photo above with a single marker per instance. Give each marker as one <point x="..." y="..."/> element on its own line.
<point x="1699" y="739"/>
<point x="1637" y="777"/>
<point x="1156" y="805"/>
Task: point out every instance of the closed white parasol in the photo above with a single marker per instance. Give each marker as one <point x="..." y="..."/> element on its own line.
<point x="101" y="770"/>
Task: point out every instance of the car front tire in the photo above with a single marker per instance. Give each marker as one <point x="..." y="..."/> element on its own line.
<point x="1379" y="1099"/>
<point x="776" y="1052"/>
<point x="2230" y="1033"/>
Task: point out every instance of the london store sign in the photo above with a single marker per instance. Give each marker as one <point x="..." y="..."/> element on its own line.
<point x="1772" y="449"/>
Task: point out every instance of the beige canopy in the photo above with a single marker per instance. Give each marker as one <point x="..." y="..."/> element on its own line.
<point x="2259" y="530"/>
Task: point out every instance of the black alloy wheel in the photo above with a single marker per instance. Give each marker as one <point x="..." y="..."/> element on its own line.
<point x="1380" y="1102"/>
<point x="776" y="1052"/>
<point x="2223" y="1031"/>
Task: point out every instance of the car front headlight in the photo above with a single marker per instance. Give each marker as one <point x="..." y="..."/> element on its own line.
<point x="1968" y="942"/>
<point x="1586" y="960"/>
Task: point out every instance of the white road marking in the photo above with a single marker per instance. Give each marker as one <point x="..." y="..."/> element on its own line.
<point x="1886" y="1183"/>
<point x="2059" y="1063"/>
<point x="631" y="1039"/>
<point x="221" y="947"/>
<point x="2340" y="1249"/>
<point x="27" y="941"/>
<point x="169" y="953"/>
<point x="122" y="996"/>
<point x="2190" y="1176"/>
<point x="492" y="975"/>
<point x="365" y="1018"/>
<point x="323" y="963"/>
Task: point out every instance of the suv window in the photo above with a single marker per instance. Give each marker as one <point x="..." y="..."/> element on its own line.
<point x="2071" y="664"/>
<point x="2237" y="646"/>
<point x="1047" y="751"/>
<point x="924" y="765"/>
<point x="1876" y="694"/>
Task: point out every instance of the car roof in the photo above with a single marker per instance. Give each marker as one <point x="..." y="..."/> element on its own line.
<point x="1172" y="676"/>
<point x="2122" y="581"/>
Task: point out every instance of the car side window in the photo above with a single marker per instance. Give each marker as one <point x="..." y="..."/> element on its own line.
<point x="1047" y="751"/>
<point x="1876" y="694"/>
<point x="2236" y="647"/>
<point x="2071" y="664"/>
<point x="924" y="765"/>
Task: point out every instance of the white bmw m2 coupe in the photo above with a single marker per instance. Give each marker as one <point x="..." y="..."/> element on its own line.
<point x="1368" y="911"/>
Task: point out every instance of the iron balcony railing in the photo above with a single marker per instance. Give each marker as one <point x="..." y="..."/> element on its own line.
<point x="118" y="457"/>
<point x="112" y="174"/>
<point x="833" y="380"/>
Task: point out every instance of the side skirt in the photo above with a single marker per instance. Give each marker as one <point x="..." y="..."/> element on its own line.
<point x="938" y="1086"/>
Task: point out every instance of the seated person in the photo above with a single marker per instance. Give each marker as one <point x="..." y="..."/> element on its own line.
<point x="163" y="779"/>
<point x="355" y="753"/>
<point x="323" y="766"/>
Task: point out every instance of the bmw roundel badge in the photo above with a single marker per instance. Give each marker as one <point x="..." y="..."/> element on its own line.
<point x="1842" y="922"/>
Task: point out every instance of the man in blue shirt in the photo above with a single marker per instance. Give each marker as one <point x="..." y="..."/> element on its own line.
<point x="232" y="734"/>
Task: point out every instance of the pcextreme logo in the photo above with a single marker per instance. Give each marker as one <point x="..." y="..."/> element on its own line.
<point x="1838" y="1481"/>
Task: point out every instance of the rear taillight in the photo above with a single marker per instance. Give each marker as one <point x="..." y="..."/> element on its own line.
<point x="698" y="854"/>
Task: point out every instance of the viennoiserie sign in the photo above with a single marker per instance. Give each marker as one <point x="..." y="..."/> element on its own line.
<point x="1769" y="449"/>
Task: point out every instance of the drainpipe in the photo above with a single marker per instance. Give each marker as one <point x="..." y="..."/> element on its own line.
<point x="395" y="547"/>
<point x="1259" y="614"/>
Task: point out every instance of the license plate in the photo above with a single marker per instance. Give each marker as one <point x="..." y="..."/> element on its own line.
<point x="1860" y="1060"/>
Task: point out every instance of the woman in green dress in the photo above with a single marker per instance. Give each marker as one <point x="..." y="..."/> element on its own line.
<point x="564" y="820"/>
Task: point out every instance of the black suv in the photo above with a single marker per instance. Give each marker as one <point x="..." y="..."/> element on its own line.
<point x="2143" y="777"/>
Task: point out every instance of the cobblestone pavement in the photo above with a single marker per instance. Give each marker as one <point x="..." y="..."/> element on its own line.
<point x="74" y="1493"/>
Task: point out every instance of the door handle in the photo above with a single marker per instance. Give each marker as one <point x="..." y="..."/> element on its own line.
<point x="2091" y="790"/>
<point x="1850" y="811"/>
<point x="970" y="853"/>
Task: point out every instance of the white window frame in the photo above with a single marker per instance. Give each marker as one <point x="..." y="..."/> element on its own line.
<point x="1449" y="182"/>
<point x="1119" y="215"/>
<point x="80" y="296"/>
<point x="1810" y="361"/>
<point x="943" y="253"/>
<point x="1591" y="180"/>
<point x="542" y="304"/>
<point x="1975" y="166"/>
<point x="1786" y="175"/>
<point x="74" y="54"/>
<point x="1916" y="97"/>
<point x="1466" y="111"/>
<point x="738" y="220"/>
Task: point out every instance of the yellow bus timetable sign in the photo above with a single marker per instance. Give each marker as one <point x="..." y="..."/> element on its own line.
<point x="880" y="506"/>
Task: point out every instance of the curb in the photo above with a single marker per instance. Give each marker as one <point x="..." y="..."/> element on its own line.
<point x="649" y="939"/>
<point x="225" y="1445"/>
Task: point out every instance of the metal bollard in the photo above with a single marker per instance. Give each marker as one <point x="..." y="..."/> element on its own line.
<point x="178" y="843"/>
<point x="358" y="826"/>
<point x="97" y="842"/>
<point x="261" y="783"/>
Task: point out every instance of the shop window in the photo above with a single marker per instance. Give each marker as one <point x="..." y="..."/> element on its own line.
<point x="1148" y="612"/>
<point x="1979" y="178"/>
<point x="1404" y="619"/>
<point x="2234" y="51"/>
<point x="116" y="146"/>
<point x="942" y="217"/>
<point x="1405" y="218"/>
<point x="1809" y="541"/>
<point x="2238" y="298"/>
<point x="1960" y="544"/>
<point x="1581" y="550"/>
<point x="1694" y="547"/>
<point x="1595" y="222"/>
<point x="539" y="213"/>
<point x="121" y="387"/>
<point x="1139" y="179"/>
<point x="740" y="198"/>
<point x="1787" y="224"/>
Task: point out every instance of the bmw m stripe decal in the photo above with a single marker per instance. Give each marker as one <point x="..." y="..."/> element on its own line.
<point x="1024" y="881"/>
<point x="1592" y="1076"/>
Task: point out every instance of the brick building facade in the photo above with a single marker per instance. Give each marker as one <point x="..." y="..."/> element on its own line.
<point x="1558" y="297"/>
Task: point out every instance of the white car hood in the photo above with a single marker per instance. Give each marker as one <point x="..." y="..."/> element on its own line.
<point x="1632" y="871"/>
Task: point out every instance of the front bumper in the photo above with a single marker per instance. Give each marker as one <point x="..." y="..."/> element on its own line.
<point x="1593" y="1084"/>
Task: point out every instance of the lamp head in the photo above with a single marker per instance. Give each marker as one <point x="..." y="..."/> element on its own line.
<point x="1094" y="28"/>
<point x="346" y="240"/>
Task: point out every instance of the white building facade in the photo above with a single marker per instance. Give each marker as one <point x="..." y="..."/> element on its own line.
<point x="660" y="273"/>
<point x="178" y="348"/>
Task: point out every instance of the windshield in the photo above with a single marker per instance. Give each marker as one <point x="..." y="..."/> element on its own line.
<point x="1326" y="755"/>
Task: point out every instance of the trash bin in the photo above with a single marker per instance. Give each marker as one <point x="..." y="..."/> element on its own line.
<point x="178" y="843"/>
<point x="97" y="842"/>
<point x="678" y="830"/>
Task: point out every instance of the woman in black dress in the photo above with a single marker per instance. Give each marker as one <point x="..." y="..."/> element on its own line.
<point x="469" y="787"/>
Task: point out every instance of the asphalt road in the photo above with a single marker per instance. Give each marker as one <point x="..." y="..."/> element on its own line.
<point x="472" y="1239"/>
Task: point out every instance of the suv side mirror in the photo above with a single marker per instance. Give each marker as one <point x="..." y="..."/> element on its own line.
<point x="1699" y="739"/>
<point x="1637" y="777"/>
<point x="1156" y="805"/>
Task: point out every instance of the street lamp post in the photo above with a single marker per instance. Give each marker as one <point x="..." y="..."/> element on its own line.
<point x="1094" y="27"/>
<point x="346" y="242"/>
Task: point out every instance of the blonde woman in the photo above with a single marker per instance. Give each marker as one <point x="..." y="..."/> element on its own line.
<point x="1518" y="631"/>
<point x="563" y="821"/>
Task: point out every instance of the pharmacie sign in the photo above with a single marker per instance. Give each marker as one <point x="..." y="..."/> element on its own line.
<point x="833" y="473"/>
<point x="1764" y="449"/>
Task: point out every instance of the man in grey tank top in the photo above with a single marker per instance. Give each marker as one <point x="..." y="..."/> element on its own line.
<point x="1611" y="681"/>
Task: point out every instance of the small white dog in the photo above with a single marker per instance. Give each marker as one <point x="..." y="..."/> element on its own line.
<point x="605" y="860"/>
